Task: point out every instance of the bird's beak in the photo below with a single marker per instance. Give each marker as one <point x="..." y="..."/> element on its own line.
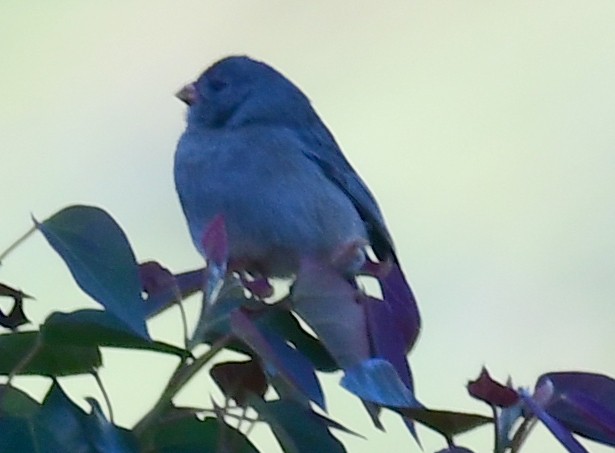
<point x="187" y="94"/>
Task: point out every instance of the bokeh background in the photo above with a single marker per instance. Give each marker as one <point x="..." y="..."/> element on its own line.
<point x="485" y="129"/>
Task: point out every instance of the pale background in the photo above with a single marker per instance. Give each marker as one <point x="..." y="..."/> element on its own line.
<point x="485" y="129"/>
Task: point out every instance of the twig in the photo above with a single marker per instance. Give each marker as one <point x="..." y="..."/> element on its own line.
<point x="181" y="376"/>
<point x="104" y="394"/>
<point x="17" y="243"/>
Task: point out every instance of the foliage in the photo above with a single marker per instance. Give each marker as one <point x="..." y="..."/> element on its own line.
<point x="367" y="338"/>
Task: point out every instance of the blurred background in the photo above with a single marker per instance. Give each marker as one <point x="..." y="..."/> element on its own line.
<point x="484" y="129"/>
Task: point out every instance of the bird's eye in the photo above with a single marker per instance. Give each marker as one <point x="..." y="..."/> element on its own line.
<point x="217" y="84"/>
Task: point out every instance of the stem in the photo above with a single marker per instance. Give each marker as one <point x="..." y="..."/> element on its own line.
<point x="17" y="243"/>
<point x="104" y="394"/>
<point x="182" y="312"/>
<point x="521" y="434"/>
<point x="180" y="377"/>
<point x="496" y="425"/>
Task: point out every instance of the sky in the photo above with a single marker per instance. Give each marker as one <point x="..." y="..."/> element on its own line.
<point x="483" y="128"/>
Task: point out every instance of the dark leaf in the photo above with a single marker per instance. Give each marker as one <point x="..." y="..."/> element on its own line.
<point x="561" y="433"/>
<point x="297" y="428"/>
<point x="280" y="360"/>
<point x="92" y="328"/>
<point x="104" y="436"/>
<point x="14" y="402"/>
<point x="188" y="434"/>
<point x="377" y="381"/>
<point x="447" y="423"/>
<point x="386" y="342"/>
<point x="160" y="297"/>
<point x="328" y="304"/>
<point x="13" y="293"/>
<point x="99" y="257"/>
<point x="455" y="449"/>
<point x="583" y="402"/>
<point x="238" y="380"/>
<point x="215" y="319"/>
<point x="156" y="278"/>
<point x="23" y="435"/>
<point x="34" y="356"/>
<point x="259" y="287"/>
<point x="77" y="432"/>
<point x="16" y="316"/>
<point x="493" y="393"/>
<point x="285" y="324"/>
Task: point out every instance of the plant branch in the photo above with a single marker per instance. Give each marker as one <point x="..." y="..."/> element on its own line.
<point x="17" y="243"/>
<point x="182" y="375"/>
<point x="104" y="394"/>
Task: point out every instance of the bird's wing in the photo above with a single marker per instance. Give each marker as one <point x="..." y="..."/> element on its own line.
<point x="325" y="152"/>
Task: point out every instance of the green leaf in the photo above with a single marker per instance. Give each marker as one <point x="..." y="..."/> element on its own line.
<point x="27" y="353"/>
<point x="187" y="434"/>
<point x="297" y="428"/>
<point x="16" y="403"/>
<point x="448" y="423"/>
<point x="92" y="328"/>
<point x="99" y="257"/>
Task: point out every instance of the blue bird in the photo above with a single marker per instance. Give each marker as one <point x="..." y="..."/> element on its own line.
<point x="255" y="152"/>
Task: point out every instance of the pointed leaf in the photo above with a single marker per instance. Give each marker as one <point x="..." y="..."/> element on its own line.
<point x="279" y="358"/>
<point x="582" y="402"/>
<point x="561" y="433"/>
<point x="44" y="359"/>
<point x="397" y="293"/>
<point x="16" y="403"/>
<point x="455" y="449"/>
<point x="297" y="428"/>
<point x="447" y="423"/>
<point x="377" y="381"/>
<point x="238" y="380"/>
<point x="188" y="434"/>
<point x="285" y="324"/>
<point x="162" y="292"/>
<point x="93" y="328"/>
<point x="486" y="389"/>
<point x="104" y="436"/>
<point x="99" y="257"/>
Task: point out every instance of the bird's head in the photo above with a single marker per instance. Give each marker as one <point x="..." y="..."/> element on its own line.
<point x="238" y="91"/>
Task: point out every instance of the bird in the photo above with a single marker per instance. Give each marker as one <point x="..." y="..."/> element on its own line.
<point x="256" y="152"/>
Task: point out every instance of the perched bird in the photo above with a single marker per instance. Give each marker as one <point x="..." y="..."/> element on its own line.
<point x="256" y="152"/>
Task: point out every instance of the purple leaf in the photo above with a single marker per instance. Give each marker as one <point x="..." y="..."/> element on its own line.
<point x="238" y="380"/>
<point x="397" y="293"/>
<point x="583" y="402"/>
<point x="561" y="433"/>
<point x="215" y="248"/>
<point x="493" y="393"/>
<point x="161" y="291"/>
<point x="215" y="242"/>
<point x="279" y="358"/>
<point x="386" y="342"/>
